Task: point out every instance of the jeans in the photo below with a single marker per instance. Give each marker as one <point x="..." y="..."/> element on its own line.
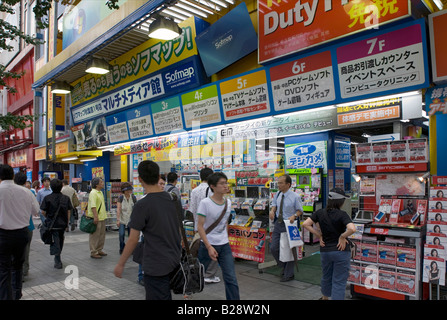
<point x="122" y="235"/>
<point x="335" y="266"/>
<point x="226" y="262"/>
<point x="12" y="256"/>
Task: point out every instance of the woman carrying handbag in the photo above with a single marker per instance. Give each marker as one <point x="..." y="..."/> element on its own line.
<point x="56" y="207"/>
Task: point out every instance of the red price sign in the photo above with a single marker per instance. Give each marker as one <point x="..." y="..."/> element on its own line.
<point x="379" y="231"/>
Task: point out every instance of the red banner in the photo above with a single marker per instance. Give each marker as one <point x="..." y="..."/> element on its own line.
<point x="246" y="243"/>
<point x="400" y="167"/>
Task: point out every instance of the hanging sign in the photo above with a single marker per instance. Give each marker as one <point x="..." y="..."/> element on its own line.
<point x="167" y="115"/>
<point x="201" y="106"/>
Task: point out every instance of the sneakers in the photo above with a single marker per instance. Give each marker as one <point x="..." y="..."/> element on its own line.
<point x="214" y="279"/>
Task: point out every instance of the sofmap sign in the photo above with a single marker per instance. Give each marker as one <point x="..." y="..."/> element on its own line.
<point x="291" y="26"/>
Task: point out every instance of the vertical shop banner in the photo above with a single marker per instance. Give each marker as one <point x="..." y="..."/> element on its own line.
<point x="436" y="100"/>
<point x="342" y="152"/>
<point x="139" y="122"/>
<point x="437" y="25"/>
<point x="291" y="26"/>
<point x="246" y="243"/>
<point x="303" y="82"/>
<point x="245" y="96"/>
<point x="167" y="115"/>
<point x="388" y="61"/>
<point x="117" y="128"/>
<point x="201" y="106"/>
<point x="306" y="155"/>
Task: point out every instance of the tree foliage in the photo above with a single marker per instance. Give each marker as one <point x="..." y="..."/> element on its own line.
<point x="11" y="32"/>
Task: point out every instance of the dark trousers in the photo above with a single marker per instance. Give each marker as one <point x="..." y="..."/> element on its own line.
<point x="58" y="242"/>
<point x="157" y="287"/>
<point x="12" y="256"/>
<point x="274" y="248"/>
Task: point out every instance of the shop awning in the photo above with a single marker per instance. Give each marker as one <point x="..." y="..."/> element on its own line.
<point x="78" y="157"/>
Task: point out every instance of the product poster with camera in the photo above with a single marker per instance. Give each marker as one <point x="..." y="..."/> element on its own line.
<point x="91" y="134"/>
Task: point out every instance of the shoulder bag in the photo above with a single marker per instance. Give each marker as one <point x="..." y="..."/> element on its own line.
<point x="45" y="231"/>
<point x="87" y="224"/>
<point x="188" y="277"/>
<point x="195" y="244"/>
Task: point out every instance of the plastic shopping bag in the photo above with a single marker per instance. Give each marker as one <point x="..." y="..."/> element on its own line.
<point x="293" y="234"/>
<point x="285" y="253"/>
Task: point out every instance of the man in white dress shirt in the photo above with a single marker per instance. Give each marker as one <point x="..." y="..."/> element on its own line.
<point x="17" y="204"/>
<point x="199" y="193"/>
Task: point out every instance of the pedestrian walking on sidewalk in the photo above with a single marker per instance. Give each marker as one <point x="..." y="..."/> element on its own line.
<point x="124" y="207"/>
<point x="336" y="226"/>
<point x="16" y="206"/>
<point x="56" y="207"/>
<point x="215" y="245"/>
<point x="155" y="214"/>
<point x="97" y="211"/>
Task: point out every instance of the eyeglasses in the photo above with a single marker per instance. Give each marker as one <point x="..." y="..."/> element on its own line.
<point x="223" y="183"/>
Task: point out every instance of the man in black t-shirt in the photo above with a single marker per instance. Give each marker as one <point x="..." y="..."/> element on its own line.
<point x="156" y="216"/>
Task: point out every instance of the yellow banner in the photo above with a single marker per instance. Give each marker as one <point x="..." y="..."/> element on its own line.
<point x="147" y="58"/>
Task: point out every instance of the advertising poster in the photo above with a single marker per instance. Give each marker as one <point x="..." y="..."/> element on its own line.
<point x="307" y="155"/>
<point x="290" y="26"/>
<point x="91" y="134"/>
<point x="247" y="244"/>
<point x="303" y="82"/>
<point x="392" y="60"/>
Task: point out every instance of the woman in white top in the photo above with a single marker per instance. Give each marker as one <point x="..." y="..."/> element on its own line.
<point x="124" y="207"/>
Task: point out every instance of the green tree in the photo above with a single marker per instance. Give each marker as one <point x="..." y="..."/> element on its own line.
<point x="11" y="32"/>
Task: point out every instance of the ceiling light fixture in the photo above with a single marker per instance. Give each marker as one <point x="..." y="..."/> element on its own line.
<point x="163" y="28"/>
<point x="60" y="87"/>
<point x="88" y="159"/>
<point x="97" y="66"/>
<point x="70" y="158"/>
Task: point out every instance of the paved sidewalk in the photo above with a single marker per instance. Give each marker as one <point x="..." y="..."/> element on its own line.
<point x="97" y="282"/>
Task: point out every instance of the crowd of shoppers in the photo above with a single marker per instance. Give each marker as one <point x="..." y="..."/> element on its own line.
<point x="153" y="220"/>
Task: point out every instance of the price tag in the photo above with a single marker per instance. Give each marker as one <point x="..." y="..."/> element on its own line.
<point x="379" y="231"/>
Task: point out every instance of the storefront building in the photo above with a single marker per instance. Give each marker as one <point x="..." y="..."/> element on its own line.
<point x="331" y="93"/>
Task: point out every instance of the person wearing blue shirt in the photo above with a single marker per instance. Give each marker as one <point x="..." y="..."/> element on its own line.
<point x="286" y="205"/>
<point x="42" y="193"/>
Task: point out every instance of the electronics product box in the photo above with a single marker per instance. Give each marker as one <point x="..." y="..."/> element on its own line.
<point x="398" y="151"/>
<point x="387" y="253"/>
<point x="396" y="207"/>
<point x="438" y="193"/>
<point x="380" y="152"/>
<point x="368" y="276"/>
<point x="406" y="281"/>
<point x="406" y="256"/>
<point x="437" y="216"/>
<point x="436" y="239"/>
<point x="438" y="227"/>
<point x="439" y="206"/>
<point x="434" y="270"/>
<point x="355" y="272"/>
<point x="369" y="251"/>
<point x="387" y="278"/>
<point x="358" y="252"/>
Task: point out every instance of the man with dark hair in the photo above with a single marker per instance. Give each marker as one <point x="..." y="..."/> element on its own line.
<point x="42" y="193"/>
<point x="215" y="245"/>
<point x="56" y="208"/>
<point x="17" y="204"/>
<point x="171" y="184"/>
<point x="199" y="193"/>
<point x="290" y="207"/>
<point x="156" y="216"/>
<point x="71" y="193"/>
<point x="97" y="211"/>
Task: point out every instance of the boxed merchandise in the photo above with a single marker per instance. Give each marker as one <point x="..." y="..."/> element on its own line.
<point x="387" y="253"/>
<point x="437" y="227"/>
<point x="369" y="276"/>
<point x="438" y="193"/>
<point x="406" y="256"/>
<point x="355" y="272"/>
<point x="398" y="151"/>
<point x="380" y="152"/>
<point x="434" y="270"/>
<point x="438" y="205"/>
<point x="396" y="207"/>
<point x="358" y="252"/>
<point x="369" y="251"/>
<point x="406" y="281"/>
<point x="387" y="278"/>
<point x="436" y="239"/>
<point x="437" y="216"/>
